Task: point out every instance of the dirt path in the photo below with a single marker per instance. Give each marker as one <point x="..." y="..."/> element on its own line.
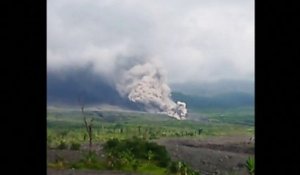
<point x="223" y="155"/>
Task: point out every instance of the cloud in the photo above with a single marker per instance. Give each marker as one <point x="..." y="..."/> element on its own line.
<point x="194" y="41"/>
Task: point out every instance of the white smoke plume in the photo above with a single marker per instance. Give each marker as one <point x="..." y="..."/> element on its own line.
<point x="145" y="83"/>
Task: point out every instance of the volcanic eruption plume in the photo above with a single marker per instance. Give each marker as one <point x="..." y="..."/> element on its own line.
<point x="145" y="84"/>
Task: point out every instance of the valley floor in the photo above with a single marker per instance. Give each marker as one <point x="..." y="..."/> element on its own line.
<point x="218" y="155"/>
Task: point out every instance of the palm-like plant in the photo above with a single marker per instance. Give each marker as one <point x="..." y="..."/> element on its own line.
<point x="250" y="164"/>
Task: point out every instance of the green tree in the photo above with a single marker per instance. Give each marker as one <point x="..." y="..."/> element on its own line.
<point x="200" y="131"/>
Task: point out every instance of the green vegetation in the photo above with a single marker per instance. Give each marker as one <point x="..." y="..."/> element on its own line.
<point x="59" y="163"/>
<point x="238" y="116"/>
<point x="129" y="155"/>
<point x="62" y="145"/>
<point x="128" y="138"/>
<point x="89" y="161"/>
<point x="68" y="127"/>
<point x="181" y="168"/>
<point x="75" y="146"/>
<point x="250" y="164"/>
<point x="139" y="149"/>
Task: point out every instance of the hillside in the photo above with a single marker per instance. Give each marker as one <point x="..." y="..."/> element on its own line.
<point x="228" y="100"/>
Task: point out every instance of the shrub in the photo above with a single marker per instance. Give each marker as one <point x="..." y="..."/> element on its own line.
<point x="250" y="164"/>
<point x="200" y="131"/>
<point x="139" y="149"/>
<point x="59" y="163"/>
<point x="153" y="136"/>
<point x="173" y="168"/>
<point x="89" y="161"/>
<point x="181" y="168"/>
<point x="135" y="164"/>
<point x="63" y="133"/>
<point x="62" y="145"/>
<point x="75" y="146"/>
<point x="160" y="154"/>
<point x="111" y="143"/>
<point x="113" y="161"/>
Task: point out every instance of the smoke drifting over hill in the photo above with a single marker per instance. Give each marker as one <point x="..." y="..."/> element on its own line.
<point x="146" y="84"/>
<point x="142" y="86"/>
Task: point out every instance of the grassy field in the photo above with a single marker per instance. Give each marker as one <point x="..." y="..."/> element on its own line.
<point x="240" y="115"/>
<point x="66" y="131"/>
<point x="68" y="126"/>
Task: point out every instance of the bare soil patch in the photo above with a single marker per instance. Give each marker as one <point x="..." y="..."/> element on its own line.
<point x="222" y="155"/>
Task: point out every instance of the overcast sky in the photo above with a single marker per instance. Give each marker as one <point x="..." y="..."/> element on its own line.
<point x="192" y="40"/>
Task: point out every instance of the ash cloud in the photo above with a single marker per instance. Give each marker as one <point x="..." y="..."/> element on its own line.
<point x="145" y="84"/>
<point x="142" y="86"/>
